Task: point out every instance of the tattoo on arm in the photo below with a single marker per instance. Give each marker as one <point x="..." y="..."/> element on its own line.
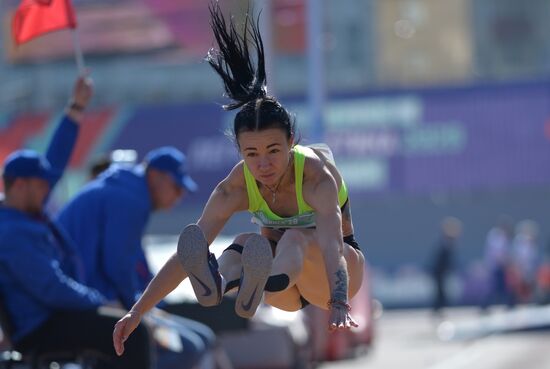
<point x="340" y="292"/>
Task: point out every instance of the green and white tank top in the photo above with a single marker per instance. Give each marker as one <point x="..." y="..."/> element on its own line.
<point x="262" y="214"/>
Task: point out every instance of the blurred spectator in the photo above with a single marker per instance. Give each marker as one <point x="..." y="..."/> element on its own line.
<point x="99" y="166"/>
<point x="526" y="260"/>
<point x="107" y="219"/>
<point x="443" y="260"/>
<point x="543" y="278"/>
<point x="102" y="163"/>
<point x="40" y="273"/>
<point x="498" y="248"/>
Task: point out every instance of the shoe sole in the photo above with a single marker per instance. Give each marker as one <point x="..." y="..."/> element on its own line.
<point x="257" y="259"/>
<point x="193" y="256"/>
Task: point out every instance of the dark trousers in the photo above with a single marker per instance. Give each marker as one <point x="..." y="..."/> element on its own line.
<point x="500" y="292"/>
<point x="90" y="330"/>
<point x="440" y="298"/>
<point x="196" y="339"/>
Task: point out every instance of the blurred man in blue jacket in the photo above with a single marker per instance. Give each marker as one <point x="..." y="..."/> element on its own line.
<point x="41" y="278"/>
<point x="107" y="219"/>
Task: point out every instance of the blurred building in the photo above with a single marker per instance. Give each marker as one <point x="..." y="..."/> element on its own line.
<point x="151" y="51"/>
<point x="435" y="107"/>
<point x="511" y="39"/>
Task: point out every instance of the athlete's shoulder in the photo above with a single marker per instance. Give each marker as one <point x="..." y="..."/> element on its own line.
<point x="323" y="151"/>
<point x="235" y="179"/>
<point x="232" y="189"/>
<point x="237" y="172"/>
<point x="319" y="165"/>
<point x="314" y="161"/>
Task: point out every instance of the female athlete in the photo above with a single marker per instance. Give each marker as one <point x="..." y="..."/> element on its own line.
<point x="305" y="251"/>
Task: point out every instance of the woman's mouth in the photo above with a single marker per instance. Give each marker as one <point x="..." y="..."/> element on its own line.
<point x="267" y="177"/>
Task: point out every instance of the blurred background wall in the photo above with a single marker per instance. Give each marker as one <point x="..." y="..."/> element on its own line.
<point x="433" y="108"/>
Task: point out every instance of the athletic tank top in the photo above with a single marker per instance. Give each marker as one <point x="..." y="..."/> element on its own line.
<point x="262" y="214"/>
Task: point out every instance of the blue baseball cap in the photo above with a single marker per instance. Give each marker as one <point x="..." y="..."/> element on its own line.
<point x="27" y="164"/>
<point x="171" y="160"/>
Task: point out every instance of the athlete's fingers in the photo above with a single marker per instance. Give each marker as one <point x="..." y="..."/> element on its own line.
<point x="337" y="319"/>
<point x="119" y="336"/>
<point x="352" y="322"/>
<point x="332" y="322"/>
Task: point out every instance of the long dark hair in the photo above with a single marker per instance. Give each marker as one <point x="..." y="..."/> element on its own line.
<point x="245" y="83"/>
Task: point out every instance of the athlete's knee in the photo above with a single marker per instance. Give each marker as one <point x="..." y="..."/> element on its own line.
<point x="295" y="237"/>
<point x="242" y="238"/>
<point x="356" y="277"/>
<point x="292" y="248"/>
<point x="288" y="260"/>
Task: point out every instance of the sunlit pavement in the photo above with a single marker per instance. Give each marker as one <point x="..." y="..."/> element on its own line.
<point x="462" y="338"/>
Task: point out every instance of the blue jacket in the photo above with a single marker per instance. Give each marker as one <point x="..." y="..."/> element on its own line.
<point x="39" y="268"/>
<point x="107" y="220"/>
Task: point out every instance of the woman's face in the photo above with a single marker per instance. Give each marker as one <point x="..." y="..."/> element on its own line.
<point x="266" y="153"/>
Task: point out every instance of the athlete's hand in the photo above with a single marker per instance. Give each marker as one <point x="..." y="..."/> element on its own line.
<point x="124" y="328"/>
<point x="340" y="319"/>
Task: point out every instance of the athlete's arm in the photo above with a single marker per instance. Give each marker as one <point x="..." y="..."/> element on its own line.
<point x="223" y="202"/>
<point x="167" y="279"/>
<point x="228" y="198"/>
<point x="321" y="188"/>
<point x="329" y="232"/>
<point x="347" y="224"/>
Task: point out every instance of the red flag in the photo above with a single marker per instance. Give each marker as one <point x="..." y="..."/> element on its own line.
<point x="35" y="17"/>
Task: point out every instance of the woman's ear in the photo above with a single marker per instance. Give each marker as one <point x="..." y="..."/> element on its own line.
<point x="291" y="141"/>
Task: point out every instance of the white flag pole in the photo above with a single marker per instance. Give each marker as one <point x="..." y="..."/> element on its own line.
<point x="78" y="52"/>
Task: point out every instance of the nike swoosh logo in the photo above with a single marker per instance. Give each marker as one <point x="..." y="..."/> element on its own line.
<point x="248" y="305"/>
<point x="207" y="290"/>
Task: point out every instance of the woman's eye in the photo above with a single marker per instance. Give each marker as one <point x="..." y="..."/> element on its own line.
<point x="251" y="155"/>
<point x="274" y="151"/>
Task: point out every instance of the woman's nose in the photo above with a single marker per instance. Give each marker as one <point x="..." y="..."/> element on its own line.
<point x="264" y="163"/>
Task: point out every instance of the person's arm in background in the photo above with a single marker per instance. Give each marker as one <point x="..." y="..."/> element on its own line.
<point x="41" y="276"/>
<point x="64" y="138"/>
